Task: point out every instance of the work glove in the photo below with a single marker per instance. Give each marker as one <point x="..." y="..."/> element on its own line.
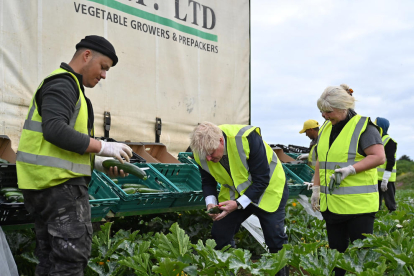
<point x="350" y="170"/>
<point x="302" y="156"/>
<point x="384" y="183"/>
<point x="316" y="195"/>
<point x="309" y="184"/>
<point x="98" y="163"/>
<point x="116" y="150"/>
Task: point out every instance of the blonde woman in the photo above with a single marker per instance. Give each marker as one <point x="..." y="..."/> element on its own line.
<point x="353" y="143"/>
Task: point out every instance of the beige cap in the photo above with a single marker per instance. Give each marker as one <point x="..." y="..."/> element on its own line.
<point x="308" y="125"/>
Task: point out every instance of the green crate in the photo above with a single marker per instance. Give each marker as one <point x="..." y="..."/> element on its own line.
<point x="293" y="155"/>
<point x="104" y="196"/>
<point x="186" y="157"/>
<point x="187" y="179"/>
<point x="302" y="170"/>
<point x="140" y="203"/>
<point x="297" y="187"/>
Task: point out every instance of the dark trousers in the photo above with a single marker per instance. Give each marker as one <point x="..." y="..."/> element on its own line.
<point x="63" y="228"/>
<point x="272" y="225"/>
<point x="388" y="196"/>
<point x="340" y="234"/>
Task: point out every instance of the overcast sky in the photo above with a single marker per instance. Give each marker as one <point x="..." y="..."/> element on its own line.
<point x="301" y="47"/>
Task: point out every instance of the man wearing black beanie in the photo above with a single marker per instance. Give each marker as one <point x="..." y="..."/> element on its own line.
<point x="54" y="158"/>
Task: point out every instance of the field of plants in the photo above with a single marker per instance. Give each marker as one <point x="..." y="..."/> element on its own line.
<point x="179" y="244"/>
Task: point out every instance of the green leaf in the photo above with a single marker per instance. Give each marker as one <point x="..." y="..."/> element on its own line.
<point x="240" y="259"/>
<point x="357" y="261"/>
<point x="322" y="263"/>
<point x="175" y="244"/>
<point x="169" y="267"/>
<point x="271" y="263"/>
<point x="139" y="263"/>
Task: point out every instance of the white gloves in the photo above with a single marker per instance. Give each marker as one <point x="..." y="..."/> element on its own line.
<point x="117" y="150"/>
<point x="315" y="197"/>
<point x="302" y="156"/>
<point x="309" y="184"/>
<point x="384" y="183"/>
<point x="350" y="170"/>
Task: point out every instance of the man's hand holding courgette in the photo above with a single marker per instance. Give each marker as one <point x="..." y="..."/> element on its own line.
<point x="112" y="172"/>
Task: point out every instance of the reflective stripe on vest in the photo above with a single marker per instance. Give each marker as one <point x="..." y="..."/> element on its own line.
<point x="381" y="168"/>
<point x="235" y="192"/>
<point x="41" y="164"/>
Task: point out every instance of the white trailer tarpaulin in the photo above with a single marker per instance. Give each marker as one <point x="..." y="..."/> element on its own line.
<point x="183" y="61"/>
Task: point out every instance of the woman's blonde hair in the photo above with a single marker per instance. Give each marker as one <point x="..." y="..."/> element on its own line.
<point x="336" y="97"/>
<point x="205" y="138"/>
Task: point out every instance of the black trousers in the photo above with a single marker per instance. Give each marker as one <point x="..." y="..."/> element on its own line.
<point x="273" y="225"/>
<point x="63" y="228"/>
<point x="340" y="234"/>
<point x="388" y="196"/>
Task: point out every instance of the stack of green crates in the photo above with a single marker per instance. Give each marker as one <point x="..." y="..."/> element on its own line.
<point x="295" y="183"/>
<point x="143" y="203"/>
<point x="186" y="157"/>
<point x="304" y="172"/>
<point x="186" y="178"/>
<point x="105" y="198"/>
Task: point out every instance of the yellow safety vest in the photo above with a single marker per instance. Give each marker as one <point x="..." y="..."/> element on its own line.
<point x="381" y="169"/>
<point x="312" y="157"/>
<point x="39" y="163"/>
<point x="235" y="184"/>
<point x="357" y="194"/>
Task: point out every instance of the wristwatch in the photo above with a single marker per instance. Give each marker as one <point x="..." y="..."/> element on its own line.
<point x="239" y="206"/>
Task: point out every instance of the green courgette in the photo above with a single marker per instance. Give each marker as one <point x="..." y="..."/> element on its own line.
<point x="9" y="189"/>
<point x="148" y="190"/>
<point x="115" y="180"/>
<point x="126" y="167"/>
<point x="214" y="210"/>
<point x="133" y="185"/>
<point x="338" y="177"/>
<point x="130" y="191"/>
<point x="15" y="198"/>
<point x="91" y="197"/>
<point x="9" y="194"/>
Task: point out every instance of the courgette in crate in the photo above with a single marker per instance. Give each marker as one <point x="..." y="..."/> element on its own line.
<point x="126" y="167"/>
<point x="115" y="180"/>
<point x="129" y="191"/>
<point x="15" y="198"/>
<point x="133" y="185"/>
<point x="8" y="194"/>
<point x="9" y="189"/>
<point x="148" y="190"/>
<point x="91" y="197"/>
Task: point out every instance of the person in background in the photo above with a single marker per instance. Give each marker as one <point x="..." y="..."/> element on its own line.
<point x="311" y="128"/>
<point x="354" y="143"/>
<point x="55" y="158"/>
<point x="387" y="172"/>
<point x="252" y="182"/>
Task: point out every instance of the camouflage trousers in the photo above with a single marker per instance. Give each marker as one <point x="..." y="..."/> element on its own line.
<point x="63" y="228"/>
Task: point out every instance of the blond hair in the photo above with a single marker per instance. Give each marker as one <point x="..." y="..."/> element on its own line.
<point x="336" y="97"/>
<point x="205" y="138"/>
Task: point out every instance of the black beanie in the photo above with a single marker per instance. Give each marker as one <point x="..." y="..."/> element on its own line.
<point x="99" y="44"/>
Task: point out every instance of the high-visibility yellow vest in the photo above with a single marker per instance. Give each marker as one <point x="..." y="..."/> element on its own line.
<point x="357" y="194"/>
<point x="41" y="164"/>
<point x="312" y="157"/>
<point x="381" y="169"/>
<point x="235" y="184"/>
